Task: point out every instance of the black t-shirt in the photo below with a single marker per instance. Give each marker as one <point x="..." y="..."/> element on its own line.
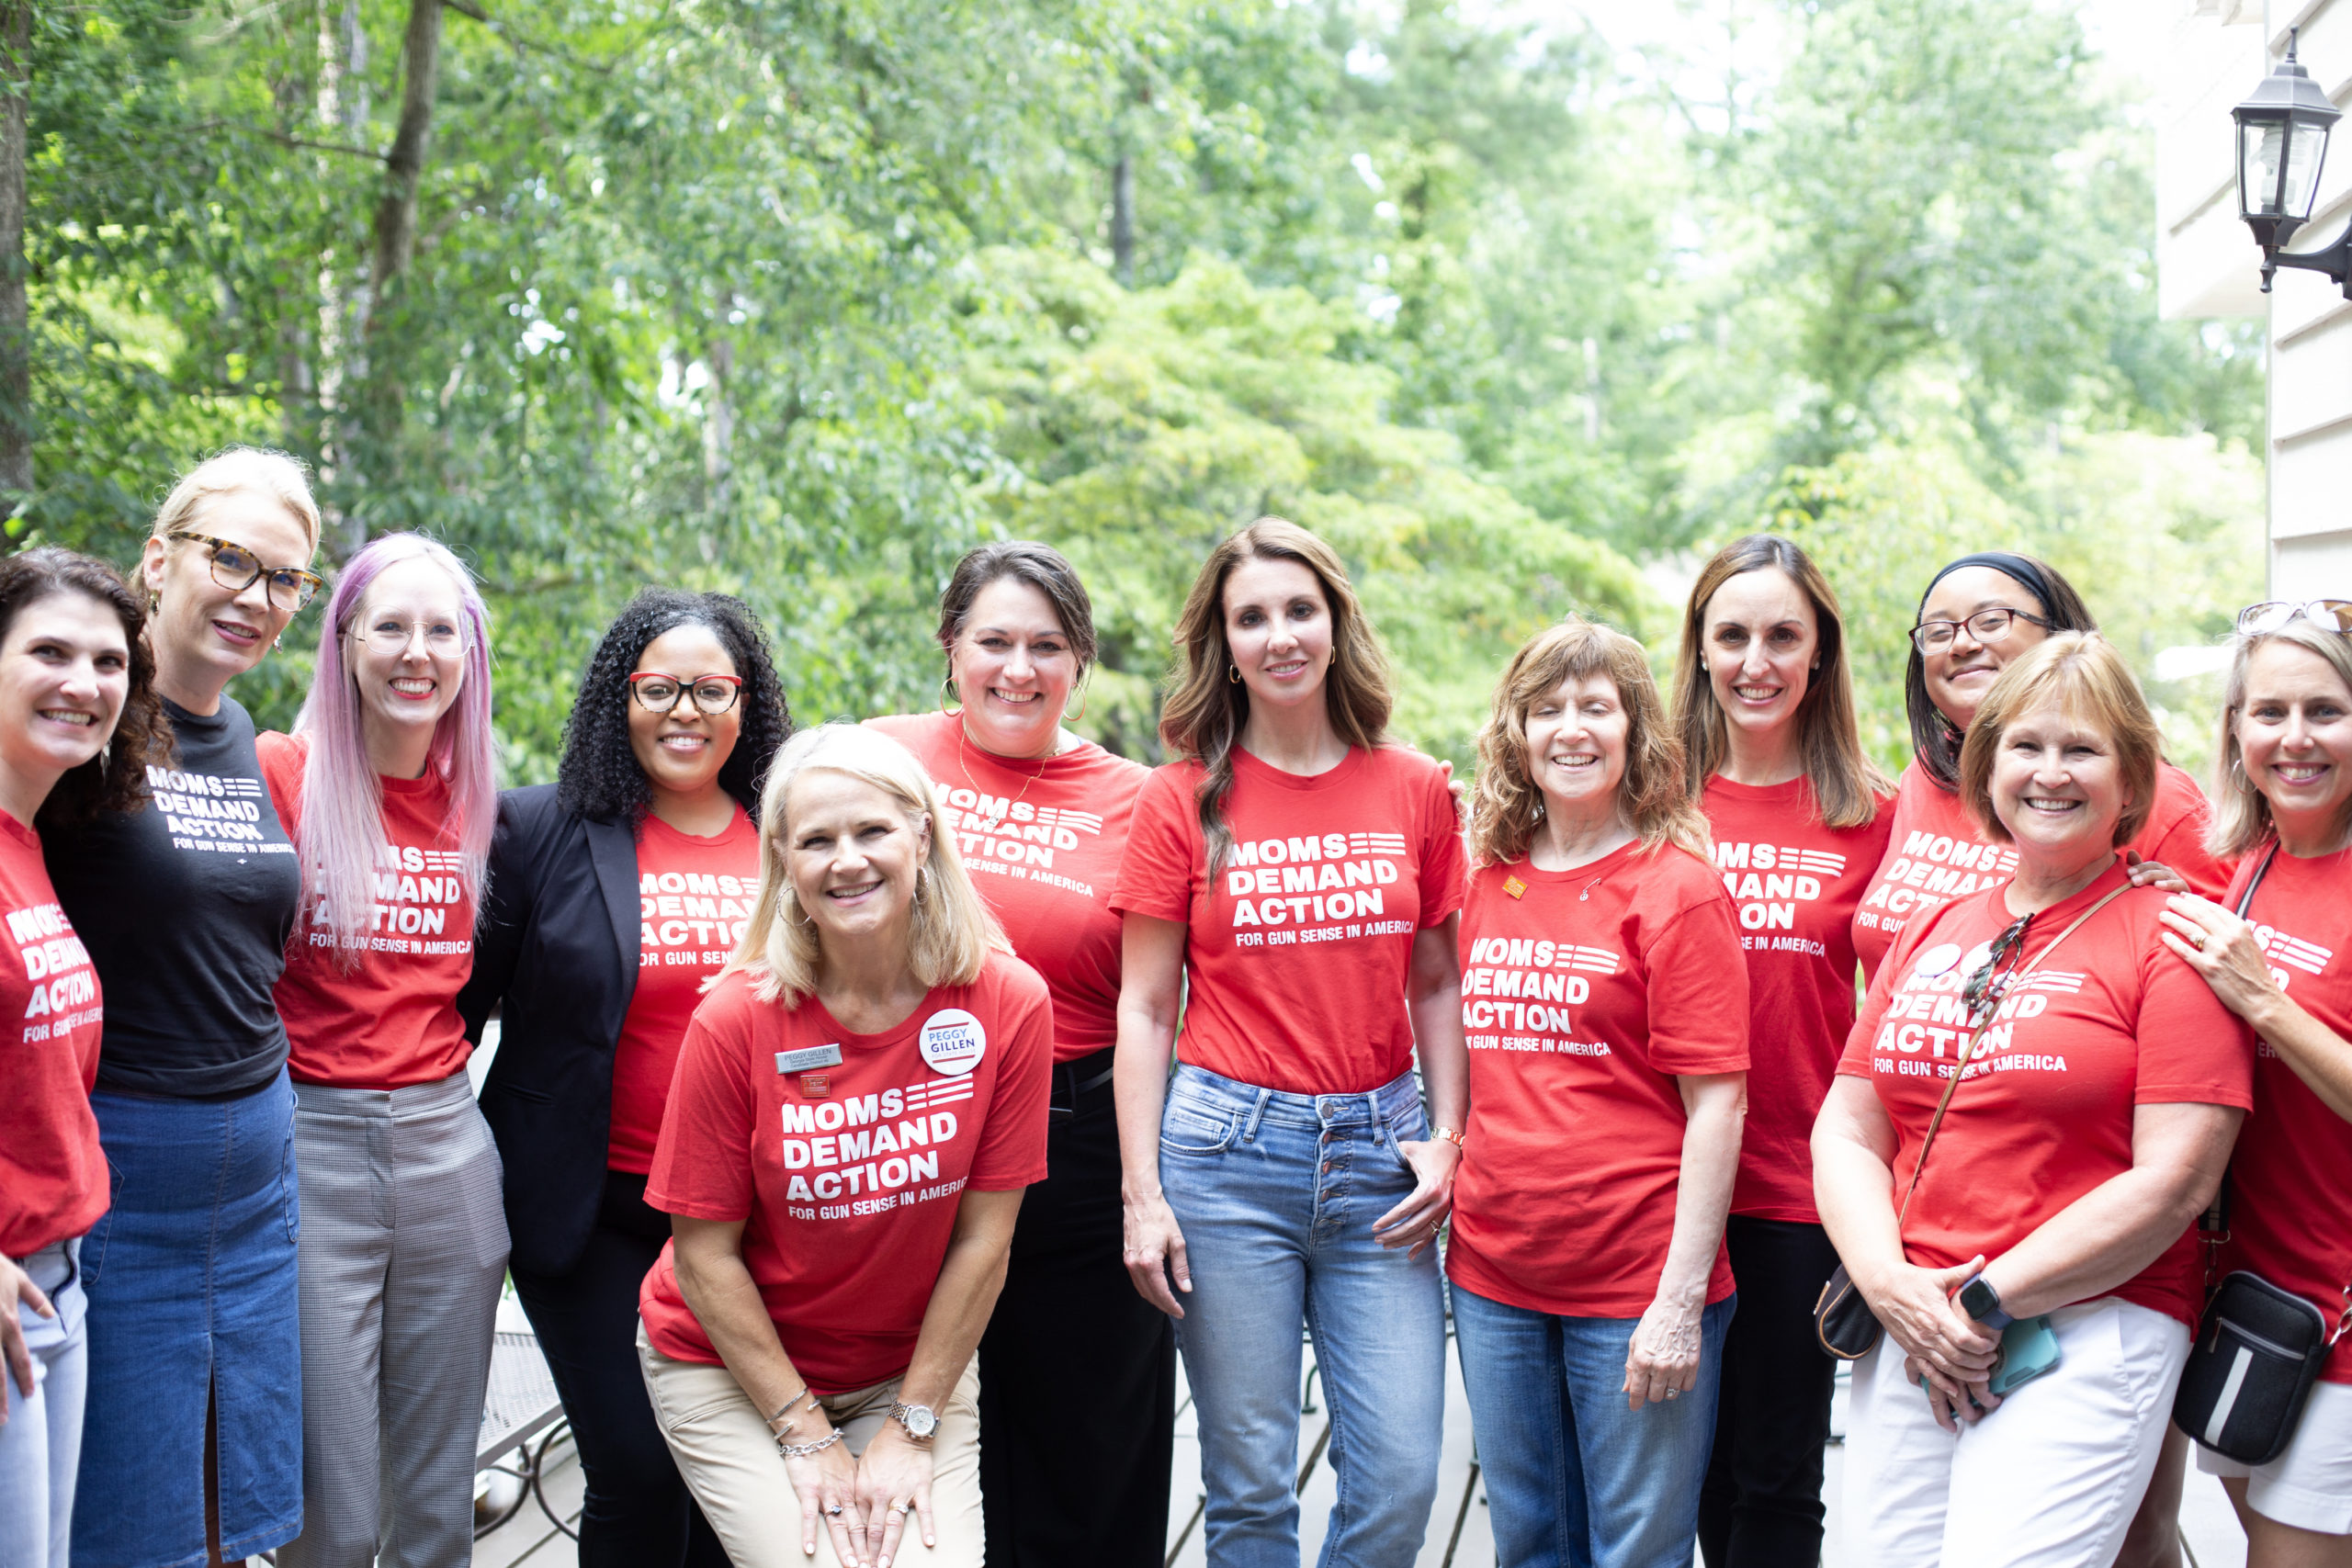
<point x="185" y="906"/>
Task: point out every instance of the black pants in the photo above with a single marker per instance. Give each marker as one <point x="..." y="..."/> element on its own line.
<point x="1761" y="1505"/>
<point x="638" y="1513"/>
<point x="1077" y="1372"/>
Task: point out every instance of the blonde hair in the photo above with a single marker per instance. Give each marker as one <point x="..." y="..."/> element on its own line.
<point x="1207" y="707"/>
<point x="1846" y="784"/>
<point x="953" y="931"/>
<point x="1506" y="804"/>
<point x="241" y="470"/>
<point x="2242" y="812"/>
<point x="2081" y="675"/>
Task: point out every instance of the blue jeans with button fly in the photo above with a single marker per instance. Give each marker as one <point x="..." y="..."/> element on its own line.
<point x="1574" y="1478"/>
<point x="1277" y="1194"/>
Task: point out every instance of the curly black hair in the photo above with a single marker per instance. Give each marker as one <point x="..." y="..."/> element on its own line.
<point x="599" y="776"/>
<point x="116" y="779"/>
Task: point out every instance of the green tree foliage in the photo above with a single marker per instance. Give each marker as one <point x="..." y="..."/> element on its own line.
<point x="798" y="299"/>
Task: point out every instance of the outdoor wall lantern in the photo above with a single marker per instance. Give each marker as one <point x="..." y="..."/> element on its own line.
<point x="2282" y="143"/>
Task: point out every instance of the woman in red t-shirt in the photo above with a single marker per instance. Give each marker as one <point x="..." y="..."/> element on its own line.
<point x="1978" y="614"/>
<point x="616" y="892"/>
<point x="387" y="789"/>
<point x="1605" y="996"/>
<point x="2283" y="962"/>
<point x="860" y="1102"/>
<point x="1765" y="708"/>
<point x="1303" y="877"/>
<point x="1040" y="817"/>
<point x="75" y="682"/>
<point x="2088" y="1131"/>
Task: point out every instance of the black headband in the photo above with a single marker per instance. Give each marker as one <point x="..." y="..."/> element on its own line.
<point x="2026" y="574"/>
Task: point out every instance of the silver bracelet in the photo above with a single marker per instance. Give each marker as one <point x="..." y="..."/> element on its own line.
<point x="806" y="1393"/>
<point x="802" y="1450"/>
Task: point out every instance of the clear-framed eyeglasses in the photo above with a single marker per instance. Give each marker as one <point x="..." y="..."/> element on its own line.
<point x="1988" y="624"/>
<point x="389" y="639"/>
<point x="711" y="695"/>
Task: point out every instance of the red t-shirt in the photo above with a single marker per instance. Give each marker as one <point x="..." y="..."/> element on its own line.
<point x="695" y="897"/>
<point x="2290" y="1178"/>
<point x="2113" y="1021"/>
<point x="53" y="1183"/>
<point x="1584" y="995"/>
<point x="392" y="1022"/>
<point x="1937" y="852"/>
<point x="1796" y="885"/>
<point x="1042" y="840"/>
<point x="847" y="1173"/>
<point x="1297" y="958"/>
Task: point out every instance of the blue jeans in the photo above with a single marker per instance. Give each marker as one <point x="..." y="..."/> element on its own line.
<point x="1276" y="1194"/>
<point x="41" y="1447"/>
<point x="1574" y="1479"/>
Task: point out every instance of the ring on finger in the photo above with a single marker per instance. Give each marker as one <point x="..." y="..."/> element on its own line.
<point x="834" y="1510"/>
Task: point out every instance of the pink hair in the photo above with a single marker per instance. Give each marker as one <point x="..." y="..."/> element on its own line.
<point x="342" y="837"/>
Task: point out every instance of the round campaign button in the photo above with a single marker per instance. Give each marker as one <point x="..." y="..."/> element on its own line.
<point x="1937" y="960"/>
<point x="951" y="1041"/>
<point x="1978" y="956"/>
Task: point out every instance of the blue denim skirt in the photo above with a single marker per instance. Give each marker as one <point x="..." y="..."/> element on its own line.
<point x="193" y="1306"/>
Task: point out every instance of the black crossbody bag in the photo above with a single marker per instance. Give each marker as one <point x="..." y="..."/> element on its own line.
<point x="2258" y="1348"/>
<point x="1842" y="1320"/>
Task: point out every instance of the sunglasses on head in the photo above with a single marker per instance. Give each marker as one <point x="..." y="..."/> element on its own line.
<point x="2276" y="615"/>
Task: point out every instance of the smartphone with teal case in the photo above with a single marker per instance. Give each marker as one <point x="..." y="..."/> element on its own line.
<point x="2028" y="1349"/>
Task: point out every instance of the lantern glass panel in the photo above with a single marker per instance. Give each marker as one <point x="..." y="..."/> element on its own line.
<point x="2305" y="151"/>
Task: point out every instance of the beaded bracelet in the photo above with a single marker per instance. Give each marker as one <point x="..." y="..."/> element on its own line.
<point x="802" y="1450"/>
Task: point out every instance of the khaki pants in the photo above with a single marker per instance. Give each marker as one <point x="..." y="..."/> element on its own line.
<point x="730" y="1464"/>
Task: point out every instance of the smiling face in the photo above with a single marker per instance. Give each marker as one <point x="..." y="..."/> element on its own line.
<point x="205" y="635"/>
<point x="1761" y="642"/>
<point x="1014" y="665"/>
<point x="681" y="751"/>
<point x="2058" y="787"/>
<point x="64" y="673"/>
<point x="1278" y="630"/>
<point x="1962" y="671"/>
<point x="1576" y="745"/>
<point x="851" y="852"/>
<point x="2294" y="733"/>
<point x="403" y="694"/>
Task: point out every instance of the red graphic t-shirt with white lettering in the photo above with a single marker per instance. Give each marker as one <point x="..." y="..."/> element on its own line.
<point x="1795" y="884"/>
<point x="393" y="1021"/>
<point x="2113" y="1021"/>
<point x="1042" y="838"/>
<point x="695" y="897"/>
<point x="2290" y="1177"/>
<point x="1297" y="956"/>
<point x="1584" y="994"/>
<point x="846" y="1153"/>
<point x="1937" y="852"/>
<point x="53" y="1183"/>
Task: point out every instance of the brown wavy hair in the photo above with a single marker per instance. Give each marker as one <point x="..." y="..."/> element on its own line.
<point x="116" y="779"/>
<point x="1204" y="709"/>
<point x="1846" y="784"/>
<point x="1506" y="803"/>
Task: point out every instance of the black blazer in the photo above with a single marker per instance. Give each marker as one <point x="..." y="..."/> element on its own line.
<point x="556" y="943"/>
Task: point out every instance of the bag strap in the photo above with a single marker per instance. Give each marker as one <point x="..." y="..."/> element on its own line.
<point x="1968" y="1046"/>
<point x="2245" y="903"/>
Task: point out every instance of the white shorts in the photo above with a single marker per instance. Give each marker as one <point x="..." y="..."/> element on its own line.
<point x="2049" y="1479"/>
<point x="2310" y="1485"/>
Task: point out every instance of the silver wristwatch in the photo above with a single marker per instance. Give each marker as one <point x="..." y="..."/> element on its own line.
<point x="920" y="1421"/>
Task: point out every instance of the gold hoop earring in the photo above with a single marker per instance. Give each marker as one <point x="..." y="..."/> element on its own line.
<point x="1233" y="674"/>
<point x="945" y="682"/>
<point x="1083" y="691"/>
<point x="154" y="602"/>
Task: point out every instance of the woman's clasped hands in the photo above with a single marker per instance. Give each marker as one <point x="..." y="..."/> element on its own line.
<point x="863" y="1502"/>
<point x="1952" y="1351"/>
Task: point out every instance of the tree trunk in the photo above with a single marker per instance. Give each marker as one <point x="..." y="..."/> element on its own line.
<point x="404" y="164"/>
<point x="1122" y="218"/>
<point x="16" y="341"/>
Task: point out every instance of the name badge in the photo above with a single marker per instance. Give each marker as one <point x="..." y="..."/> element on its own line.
<point x="809" y="1059"/>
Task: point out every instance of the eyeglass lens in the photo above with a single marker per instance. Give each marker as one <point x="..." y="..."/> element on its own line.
<point x="659" y="693"/>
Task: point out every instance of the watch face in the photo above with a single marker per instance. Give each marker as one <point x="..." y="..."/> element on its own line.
<point x="1978" y="1299"/>
<point x="920" y="1421"/>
